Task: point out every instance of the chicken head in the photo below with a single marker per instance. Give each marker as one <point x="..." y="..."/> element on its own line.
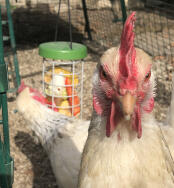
<point x="124" y="83"/>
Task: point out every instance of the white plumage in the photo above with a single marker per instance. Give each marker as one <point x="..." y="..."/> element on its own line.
<point x="113" y="156"/>
<point x="128" y="161"/>
<point x="62" y="137"/>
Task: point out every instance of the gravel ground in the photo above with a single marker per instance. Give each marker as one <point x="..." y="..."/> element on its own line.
<point x="32" y="167"/>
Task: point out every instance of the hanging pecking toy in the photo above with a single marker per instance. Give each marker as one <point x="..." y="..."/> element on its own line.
<point x="63" y="74"/>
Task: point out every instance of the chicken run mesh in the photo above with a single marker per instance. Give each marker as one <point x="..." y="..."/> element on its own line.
<point x="154" y="24"/>
<point x="154" y="33"/>
<point x="154" y="29"/>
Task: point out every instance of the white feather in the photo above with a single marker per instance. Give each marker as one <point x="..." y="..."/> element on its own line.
<point x="62" y="137"/>
<point x="123" y="160"/>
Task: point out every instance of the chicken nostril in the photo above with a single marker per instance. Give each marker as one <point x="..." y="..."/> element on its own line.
<point x="121" y="92"/>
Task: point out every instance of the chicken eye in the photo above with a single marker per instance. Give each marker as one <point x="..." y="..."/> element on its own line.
<point x="103" y="74"/>
<point x="147" y="76"/>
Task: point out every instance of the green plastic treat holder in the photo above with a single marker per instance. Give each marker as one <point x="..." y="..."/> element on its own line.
<point x="62" y="51"/>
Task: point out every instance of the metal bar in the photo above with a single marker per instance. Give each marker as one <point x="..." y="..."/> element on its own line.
<point x="52" y="84"/>
<point x="87" y="25"/>
<point x="43" y="76"/>
<point x="81" y="95"/>
<point x="3" y="177"/>
<point x="5" y="159"/>
<point x="123" y="10"/>
<point x="61" y="96"/>
<point x="55" y="85"/>
<point x="1" y="42"/>
<point x="73" y="89"/>
<point x="62" y="74"/>
<point x="13" y="43"/>
<point x="5" y="127"/>
<point x="61" y="63"/>
<point x="56" y="32"/>
<point x="69" y="19"/>
<point x="63" y="107"/>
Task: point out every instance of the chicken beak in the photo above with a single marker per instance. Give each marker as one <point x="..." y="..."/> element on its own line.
<point x="128" y="103"/>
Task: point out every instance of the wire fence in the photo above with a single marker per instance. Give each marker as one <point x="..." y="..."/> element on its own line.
<point x="40" y="19"/>
<point x="154" y="26"/>
<point x="154" y="29"/>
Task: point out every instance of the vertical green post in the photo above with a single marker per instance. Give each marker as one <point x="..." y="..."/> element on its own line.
<point x="123" y="10"/>
<point x="6" y="162"/>
<point x="13" y="43"/>
<point x="5" y="127"/>
<point x="3" y="177"/>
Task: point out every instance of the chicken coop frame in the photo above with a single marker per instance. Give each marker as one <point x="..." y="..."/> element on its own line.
<point x="10" y="50"/>
<point x="6" y="162"/>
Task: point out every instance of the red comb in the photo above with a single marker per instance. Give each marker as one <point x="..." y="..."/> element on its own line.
<point x="21" y="87"/>
<point x="36" y="94"/>
<point x="127" y="50"/>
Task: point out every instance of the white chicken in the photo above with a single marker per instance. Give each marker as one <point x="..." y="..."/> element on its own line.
<point x="62" y="137"/>
<point x="123" y="92"/>
<point x="113" y="156"/>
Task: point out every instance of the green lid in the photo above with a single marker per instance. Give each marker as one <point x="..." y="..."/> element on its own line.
<point x="62" y="50"/>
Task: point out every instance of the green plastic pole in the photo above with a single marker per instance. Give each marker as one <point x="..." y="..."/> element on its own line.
<point x="13" y="43"/>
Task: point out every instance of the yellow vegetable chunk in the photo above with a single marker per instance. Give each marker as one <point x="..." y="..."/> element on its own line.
<point x="65" y="111"/>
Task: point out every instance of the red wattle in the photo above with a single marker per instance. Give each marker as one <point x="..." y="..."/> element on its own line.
<point x="136" y="123"/>
<point x="98" y="108"/>
<point x="21" y="87"/>
<point x="149" y="107"/>
<point x="113" y="118"/>
<point x="37" y="95"/>
<point x="40" y="99"/>
<point x="139" y="131"/>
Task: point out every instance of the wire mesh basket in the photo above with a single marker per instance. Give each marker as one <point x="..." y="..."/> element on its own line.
<point x="63" y="77"/>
